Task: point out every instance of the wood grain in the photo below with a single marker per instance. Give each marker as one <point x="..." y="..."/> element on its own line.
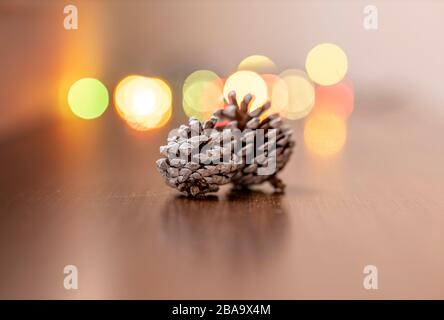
<point x="88" y="194"/>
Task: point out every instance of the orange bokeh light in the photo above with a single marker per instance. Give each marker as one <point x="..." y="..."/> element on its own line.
<point x="144" y="103"/>
<point x="337" y="99"/>
<point x="325" y="134"/>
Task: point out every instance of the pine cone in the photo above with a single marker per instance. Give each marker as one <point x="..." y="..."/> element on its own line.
<point x="277" y="146"/>
<point x="190" y="156"/>
<point x="201" y="157"/>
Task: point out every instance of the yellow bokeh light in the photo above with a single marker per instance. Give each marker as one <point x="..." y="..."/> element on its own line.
<point x="144" y="103"/>
<point x="277" y="92"/>
<point x="258" y="63"/>
<point x="301" y="94"/>
<point x="245" y="82"/>
<point x="202" y="94"/>
<point x="326" y="64"/>
<point x="325" y="134"/>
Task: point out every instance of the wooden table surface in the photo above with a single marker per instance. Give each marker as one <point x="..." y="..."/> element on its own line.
<point x="88" y="194"/>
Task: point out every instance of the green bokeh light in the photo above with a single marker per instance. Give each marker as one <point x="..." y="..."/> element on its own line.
<point x="88" y="98"/>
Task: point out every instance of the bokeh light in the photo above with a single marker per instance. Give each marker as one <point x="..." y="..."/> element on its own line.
<point x="202" y="94"/>
<point x="277" y="93"/>
<point x="258" y="63"/>
<point x="150" y="122"/>
<point x="337" y="99"/>
<point x="88" y="98"/>
<point x="326" y="64"/>
<point x="301" y="94"/>
<point x="144" y="103"/>
<point x="245" y="82"/>
<point x="325" y="134"/>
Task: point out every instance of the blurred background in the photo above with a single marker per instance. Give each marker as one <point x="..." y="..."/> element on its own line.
<point x="171" y="39"/>
<point x="364" y="190"/>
